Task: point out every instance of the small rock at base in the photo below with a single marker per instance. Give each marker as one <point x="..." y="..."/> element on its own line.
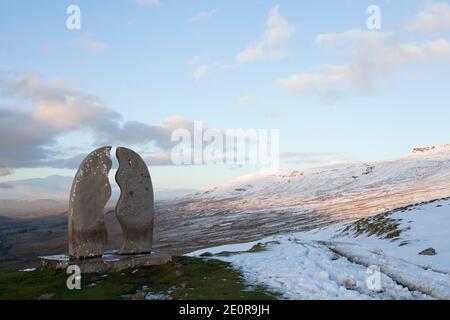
<point x="46" y="296"/>
<point x="349" y="283"/>
<point x="428" y="252"/>
<point x="138" y="296"/>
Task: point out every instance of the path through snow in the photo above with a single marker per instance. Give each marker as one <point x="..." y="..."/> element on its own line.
<point x="310" y="270"/>
<point x="338" y="261"/>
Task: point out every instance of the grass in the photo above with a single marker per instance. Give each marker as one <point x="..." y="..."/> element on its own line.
<point x="259" y="247"/>
<point x="185" y="278"/>
<point x="383" y="225"/>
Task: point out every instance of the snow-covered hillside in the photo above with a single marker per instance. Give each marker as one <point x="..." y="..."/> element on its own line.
<point x="261" y="205"/>
<point x="372" y="258"/>
<point x="342" y="191"/>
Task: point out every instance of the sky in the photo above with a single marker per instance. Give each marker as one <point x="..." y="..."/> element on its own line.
<point x="136" y="70"/>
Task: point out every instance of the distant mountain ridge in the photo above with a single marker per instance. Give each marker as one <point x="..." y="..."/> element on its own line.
<point x="49" y="196"/>
<point x="52" y="187"/>
<point x="340" y="191"/>
<point x="435" y="148"/>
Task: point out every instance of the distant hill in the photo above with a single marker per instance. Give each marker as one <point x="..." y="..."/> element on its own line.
<point x="341" y="191"/>
<point x="51" y="187"/>
<point x="260" y="205"/>
<point x="49" y="196"/>
<point x="32" y="208"/>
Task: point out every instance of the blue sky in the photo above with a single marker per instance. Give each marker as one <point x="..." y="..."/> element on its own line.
<point x="334" y="89"/>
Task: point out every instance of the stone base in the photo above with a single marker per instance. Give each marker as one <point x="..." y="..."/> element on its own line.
<point x="110" y="262"/>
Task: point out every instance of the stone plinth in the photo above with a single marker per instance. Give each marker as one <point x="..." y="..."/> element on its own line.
<point x="109" y="262"/>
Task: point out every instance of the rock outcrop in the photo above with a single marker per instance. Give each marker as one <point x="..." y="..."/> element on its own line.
<point x="428" y="252"/>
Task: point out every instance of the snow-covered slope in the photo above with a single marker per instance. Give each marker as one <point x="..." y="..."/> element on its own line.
<point x="340" y="191"/>
<point x="372" y="258"/>
<point x="262" y="205"/>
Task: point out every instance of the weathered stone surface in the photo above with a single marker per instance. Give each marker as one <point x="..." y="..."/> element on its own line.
<point x="89" y="194"/>
<point x="109" y="262"/>
<point x="134" y="209"/>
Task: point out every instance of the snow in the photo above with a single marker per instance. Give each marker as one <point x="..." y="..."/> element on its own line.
<point x="340" y="192"/>
<point x="264" y="204"/>
<point x="344" y="177"/>
<point x="238" y="247"/>
<point x="331" y="264"/>
<point x="157" y="296"/>
<point x="434" y="284"/>
<point x="424" y="226"/>
<point x="58" y="257"/>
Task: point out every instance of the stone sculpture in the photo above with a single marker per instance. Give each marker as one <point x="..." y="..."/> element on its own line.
<point x="134" y="209"/>
<point x="87" y="231"/>
<point x="89" y="194"/>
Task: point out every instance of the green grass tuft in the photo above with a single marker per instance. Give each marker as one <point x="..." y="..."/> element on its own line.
<point x="383" y="225"/>
<point x="259" y="247"/>
<point x="185" y="278"/>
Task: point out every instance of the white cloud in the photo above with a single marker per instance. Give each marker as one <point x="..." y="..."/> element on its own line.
<point x="68" y="115"/>
<point x="204" y="15"/>
<point x="201" y="72"/>
<point x="374" y="56"/>
<point x="149" y="3"/>
<point x="253" y="52"/>
<point x="324" y="79"/>
<point x="352" y="37"/>
<point x="204" y="70"/>
<point x="195" y="60"/>
<point x="244" y="99"/>
<point x="58" y="104"/>
<point x="88" y="43"/>
<point x="435" y="17"/>
<point x="273" y="43"/>
<point x="58" y="109"/>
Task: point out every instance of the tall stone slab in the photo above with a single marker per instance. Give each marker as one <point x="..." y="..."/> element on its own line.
<point x="134" y="209"/>
<point x="89" y="194"/>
